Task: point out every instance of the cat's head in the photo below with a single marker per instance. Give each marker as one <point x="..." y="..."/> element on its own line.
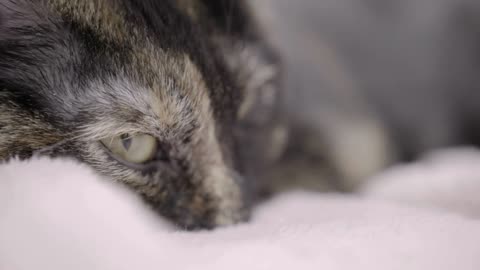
<point x="174" y="98"/>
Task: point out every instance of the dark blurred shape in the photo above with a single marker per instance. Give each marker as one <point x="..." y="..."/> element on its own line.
<point x="373" y="82"/>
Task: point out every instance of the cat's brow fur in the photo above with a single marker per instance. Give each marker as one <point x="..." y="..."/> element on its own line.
<point x="73" y="72"/>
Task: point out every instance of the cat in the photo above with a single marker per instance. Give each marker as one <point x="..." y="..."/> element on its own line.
<point x="203" y="106"/>
<point x="176" y="99"/>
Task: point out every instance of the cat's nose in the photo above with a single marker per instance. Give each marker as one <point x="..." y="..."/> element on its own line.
<point x="210" y="208"/>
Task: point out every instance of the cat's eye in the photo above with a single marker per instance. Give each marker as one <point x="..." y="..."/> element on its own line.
<point x="133" y="148"/>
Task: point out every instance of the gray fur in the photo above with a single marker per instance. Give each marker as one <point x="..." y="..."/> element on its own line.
<point x="75" y="72"/>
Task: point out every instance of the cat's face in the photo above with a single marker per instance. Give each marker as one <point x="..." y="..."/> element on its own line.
<point x="163" y="96"/>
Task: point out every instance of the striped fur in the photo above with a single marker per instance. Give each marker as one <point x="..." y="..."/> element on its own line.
<point x="73" y="72"/>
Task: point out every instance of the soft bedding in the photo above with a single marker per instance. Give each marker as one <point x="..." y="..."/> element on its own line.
<point x="56" y="214"/>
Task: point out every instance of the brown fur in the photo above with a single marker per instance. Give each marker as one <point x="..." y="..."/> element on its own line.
<point x="96" y="69"/>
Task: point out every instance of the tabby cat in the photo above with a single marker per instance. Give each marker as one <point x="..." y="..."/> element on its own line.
<point x="174" y="98"/>
<point x="180" y="99"/>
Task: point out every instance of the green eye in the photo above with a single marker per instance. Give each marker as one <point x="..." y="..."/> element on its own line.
<point x="134" y="148"/>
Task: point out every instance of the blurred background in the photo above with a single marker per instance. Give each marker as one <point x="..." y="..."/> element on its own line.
<point x="371" y="83"/>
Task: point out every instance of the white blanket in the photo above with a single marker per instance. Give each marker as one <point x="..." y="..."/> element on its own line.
<point x="60" y="215"/>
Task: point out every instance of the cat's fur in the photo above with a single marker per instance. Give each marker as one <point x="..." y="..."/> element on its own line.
<point x="369" y="83"/>
<point x="194" y="74"/>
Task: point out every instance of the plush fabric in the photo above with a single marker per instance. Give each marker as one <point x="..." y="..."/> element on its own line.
<point x="60" y="215"/>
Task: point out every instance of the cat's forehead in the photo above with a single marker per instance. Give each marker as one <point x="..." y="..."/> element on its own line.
<point x="106" y="17"/>
<point x="150" y="37"/>
<point x="130" y="22"/>
<point x="133" y="60"/>
<point x="123" y="60"/>
<point x="166" y="107"/>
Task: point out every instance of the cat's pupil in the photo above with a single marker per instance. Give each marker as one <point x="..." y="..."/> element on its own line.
<point x="126" y="141"/>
